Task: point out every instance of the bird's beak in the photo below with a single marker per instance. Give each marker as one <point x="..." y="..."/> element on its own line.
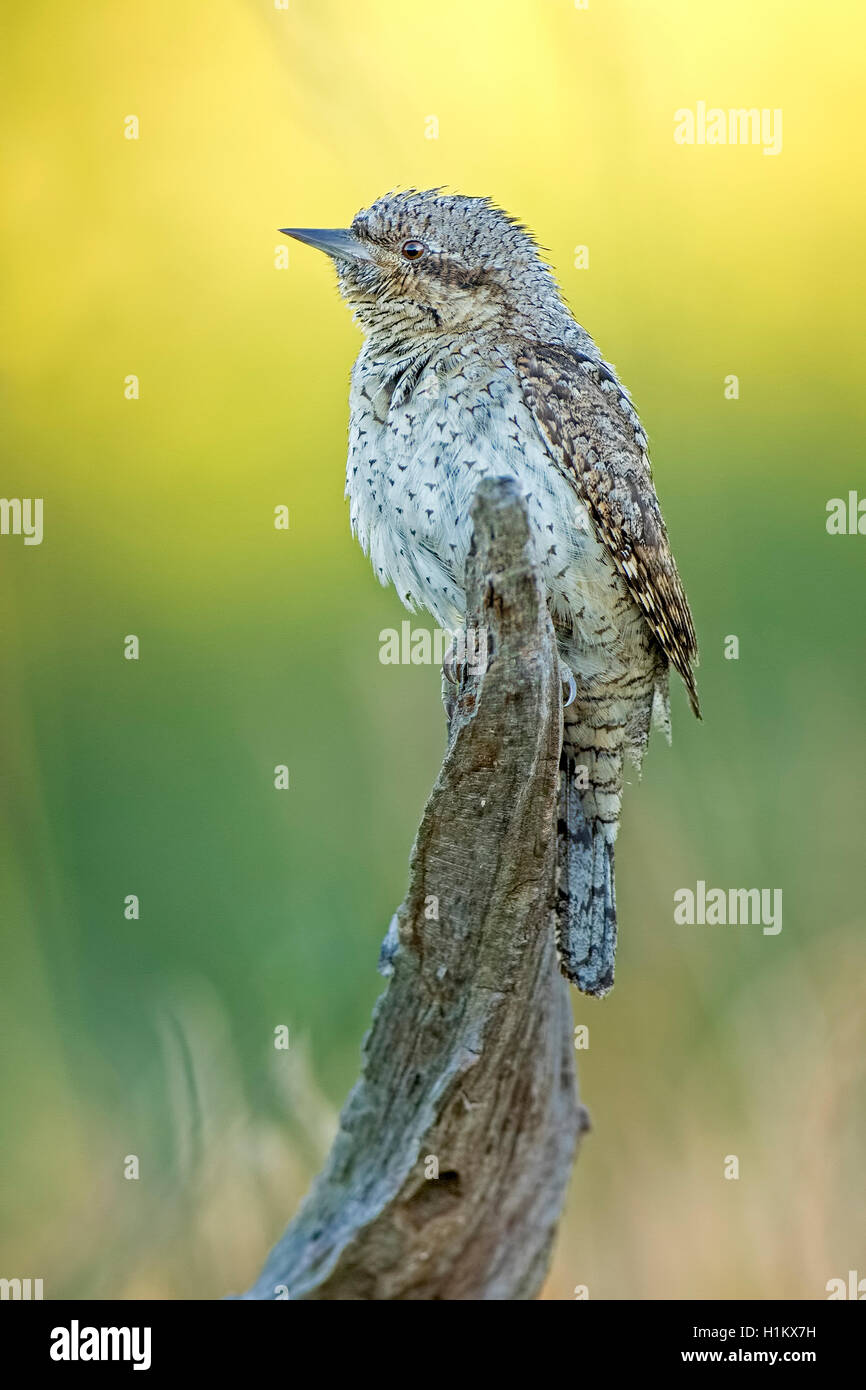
<point x="342" y="245"/>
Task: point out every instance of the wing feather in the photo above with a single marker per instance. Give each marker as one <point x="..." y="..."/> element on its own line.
<point x="595" y="438"/>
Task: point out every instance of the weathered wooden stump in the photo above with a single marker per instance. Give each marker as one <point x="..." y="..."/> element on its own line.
<point x="468" y="1068"/>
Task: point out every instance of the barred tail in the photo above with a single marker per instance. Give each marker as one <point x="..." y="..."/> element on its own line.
<point x="590" y="796"/>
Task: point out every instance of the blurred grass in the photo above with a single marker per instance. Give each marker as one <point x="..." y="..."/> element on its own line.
<point x="261" y="647"/>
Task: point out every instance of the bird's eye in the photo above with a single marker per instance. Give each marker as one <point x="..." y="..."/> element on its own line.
<point x="413" y="250"/>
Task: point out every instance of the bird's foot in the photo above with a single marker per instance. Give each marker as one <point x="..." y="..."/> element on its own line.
<point x="453" y="667"/>
<point x="569" y="685"/>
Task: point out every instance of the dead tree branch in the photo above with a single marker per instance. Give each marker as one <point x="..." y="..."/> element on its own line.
<point x="468" y="1068"/>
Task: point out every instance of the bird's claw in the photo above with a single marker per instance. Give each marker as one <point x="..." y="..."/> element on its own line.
<point x="452" y="668"/>
<point x="569" y="686"/>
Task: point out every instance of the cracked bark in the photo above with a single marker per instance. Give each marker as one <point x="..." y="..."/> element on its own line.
<point x="469" y="1061"/>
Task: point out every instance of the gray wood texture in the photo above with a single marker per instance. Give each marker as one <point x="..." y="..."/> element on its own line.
<point x="468" y="1067"/>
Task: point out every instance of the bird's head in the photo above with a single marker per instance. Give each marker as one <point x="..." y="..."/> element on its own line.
<point x="417" y="265"/>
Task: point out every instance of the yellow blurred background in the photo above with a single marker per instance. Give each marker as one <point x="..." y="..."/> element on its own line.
<point x="157" y="257"/>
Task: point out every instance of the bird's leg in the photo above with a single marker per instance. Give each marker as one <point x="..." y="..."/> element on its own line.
<point x="569" y="685"/>
<point x="468" y="655"/>
<point x="453" y="668"/>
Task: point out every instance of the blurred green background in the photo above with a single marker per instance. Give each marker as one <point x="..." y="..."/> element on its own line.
<point x="156" y="257"/>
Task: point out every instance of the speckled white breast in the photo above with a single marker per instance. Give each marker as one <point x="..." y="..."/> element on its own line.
<point x="419" y="444"/>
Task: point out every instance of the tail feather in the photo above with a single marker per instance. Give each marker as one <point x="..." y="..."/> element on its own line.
<point x="586" y="900"/>
<point x="600" y="730"/>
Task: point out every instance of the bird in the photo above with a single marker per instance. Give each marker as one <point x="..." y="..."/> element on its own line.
<point x="473" y="365"/>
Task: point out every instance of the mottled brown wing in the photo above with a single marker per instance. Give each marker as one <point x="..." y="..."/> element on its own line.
<point x="595" y="438"/>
